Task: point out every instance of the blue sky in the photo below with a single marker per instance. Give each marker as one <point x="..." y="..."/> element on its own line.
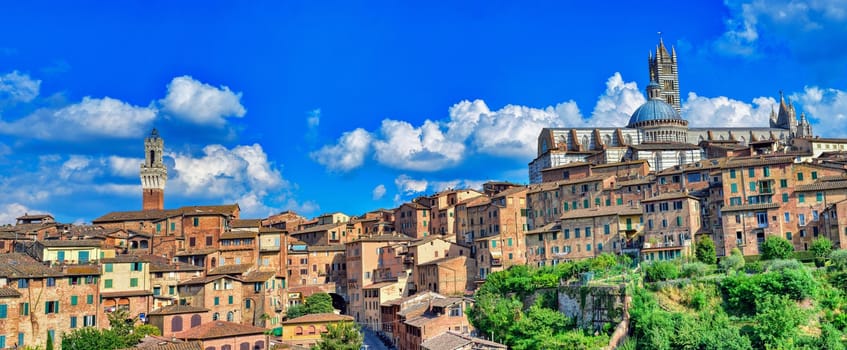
<point x="353" y="106"/>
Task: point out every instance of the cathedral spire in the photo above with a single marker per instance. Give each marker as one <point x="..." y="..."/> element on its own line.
<point x="663" y="71"/>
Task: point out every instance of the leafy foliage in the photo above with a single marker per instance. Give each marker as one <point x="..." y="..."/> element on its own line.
<point x="741" y="292"/>
<point x="695" y="269"/>
<point x="122" y="333"/>
<point x="821" y="248"/>
<point x="661" y="271"/>
<point x="705" y="251"/>
<point x="734" y="262"/>
<point x="838" y="260"/>
<point x="295" y="311"/>
<point x="319" y="303"/>
<point x="340" y="336"/>
<point x="775" y="247"/>
<point x="777" y="321"/>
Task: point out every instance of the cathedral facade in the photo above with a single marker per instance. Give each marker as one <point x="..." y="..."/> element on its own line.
<point x="656" y="131"/>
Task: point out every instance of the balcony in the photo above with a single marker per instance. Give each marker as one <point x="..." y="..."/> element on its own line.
<point x="685" y="243"/>
<point x="496" y="262"/>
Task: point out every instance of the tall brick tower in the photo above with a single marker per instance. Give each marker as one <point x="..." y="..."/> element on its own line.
<point x="154" y="175"/>
<point x="663" y="70"/>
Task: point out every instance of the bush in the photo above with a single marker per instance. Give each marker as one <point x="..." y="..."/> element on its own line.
<point x="695" y="269"/>
<point x="775" y="247"/>
<point x="754" y="267"/>
<point x="660" y="271"/>
<point x="838" y="259"/>
<point x="821" y="248"/>
<point x="742" y="292"/>
<point x="705" y="250"/>
<point x="779" y="265"/>
<point x="732" y="263"/>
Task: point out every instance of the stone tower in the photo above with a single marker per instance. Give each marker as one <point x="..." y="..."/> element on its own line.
<point x="663" y="70"/>
<point x="786" y="118"/>
<point x="153" y="173"/>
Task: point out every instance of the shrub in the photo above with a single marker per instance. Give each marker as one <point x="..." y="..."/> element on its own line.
<point x="838" y="259"/>
<point x="705" y="250"/>
<point x="754" y="267"/>
<point x="821" y="248"/>
<point x="661" y="271"/>
<point x="779" y="265"/>
<point x="698" y="300"/>
<point x="734" y="262"/>
<point x="775" y="247"/>
<point x="695" y="269"/>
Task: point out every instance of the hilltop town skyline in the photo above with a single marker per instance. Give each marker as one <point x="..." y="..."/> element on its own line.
<point x="273" y="113"/>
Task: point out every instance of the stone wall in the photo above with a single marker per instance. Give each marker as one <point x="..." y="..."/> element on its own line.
<point x="592" y="306"/>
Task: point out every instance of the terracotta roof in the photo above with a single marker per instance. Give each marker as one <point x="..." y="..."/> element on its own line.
<point x="319" y="318"/>
<point x="161" y="343"/>
<point x="309" y="290"/>
<point x="173" y="266"/>
<point x="17" y="265"/>
<point x="258" y="276"/>
<point x="71" y="243"/>
<point x="218" y="329"/>
<point x="450" y="340"/>
<point x="326" y="248"/>
<point x="380" y="285"/>
<point x="633" y="182"/>
<point x="136" y="215"/>
<point x="417" y="307"/>
<point x="318" y="228"/>
<point x="510" y="191"/>
<point x="757" y="161"/>
<point x="177" y="309"/>
<point x="127" y="293"/>
<point x="226" y="209"/>
<point x="34" y="217"/>
<point x="420" y="320"/>
<point x="204" y="251"/>
<point x="553" y="226"/>
<point x="619" y="164"/>
<point x="9" y="292"/>
<point x="746" y="207"/>
<point x="442" y="260"/>
<point x="821" y="186"/>
<point x="234" y="269"/>
<point x="567" y="165"/>
<point x="384" y="238"/>
<point x="238" y="234"/>
<point x="245" y="223"/>
<point x="415" y="205"/>
<point x="445" y="302"/>
<point x="601" y="211"/>
<point x="668" y="196"/>
<point x="428" y="239"/>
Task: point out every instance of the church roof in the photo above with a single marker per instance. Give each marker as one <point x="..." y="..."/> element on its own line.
<point x="654" y="109"/>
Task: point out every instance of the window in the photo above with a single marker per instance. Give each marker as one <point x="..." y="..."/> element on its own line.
<point x="588" y="232"/>
<point x="24" y="309"/>
<point x="3" y="310"/>
<point x="588" y="247"/>
<point x="799" y="176"/>
<point x="209" y="241"/>
<point x="217" y="300"/>
<point x="73" y="321"/>
<point x="133" y="282"/>
<point x="173" y="226"/>
<point x="600" y="247"/>
<point x="787" y="217"/>
<point x="801" y="198"/>
<point x="607" y="229"/>
<point x="819" y="196"/>
<point x="108" y="267"/>
<point x="650" y="224"/>
<point x="494" y="243"/>
<point x="619" y="201"/>
<point x="677" y="205"/>
<point x="158" y="227"/>
<point x="752" y="185"/>
<point x="176" y="324"/>
<point x="196" y="222"/>
<point x="89" y="299"/>
<point x="679" y="220"/>
<point x="783" y="183"/>
<point x="767" y="171"/>
<point x="731" y="173"/>
<point x="216" y="316"/>
<point x="664" y="222"/>
<point x="585" y="203"/>
<point x="192" y="242"/>
<point x="107" y="283"/>
<point x="788" y="235"/>
<point x="230" y="299"/>
<point x="663" y="207"/>
<point x="567" y="233"/>
<point x="733" y="188"/>
<point x="51" y="307"/>
<point x="802" y="219"/>
<point x="51" y="281"/>
<point x="74" y="300"/>
<point x="509" y="242"/>
<point x="751" y="172"/>
<point x="814" y="175"/>
<point x="785" y="197"/>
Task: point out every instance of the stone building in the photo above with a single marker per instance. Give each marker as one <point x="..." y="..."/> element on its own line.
<point x="154" y="174"/>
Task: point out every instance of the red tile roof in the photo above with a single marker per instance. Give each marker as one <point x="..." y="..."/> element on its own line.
<point x="319" y="318"/>
<point x="218" y="329"/>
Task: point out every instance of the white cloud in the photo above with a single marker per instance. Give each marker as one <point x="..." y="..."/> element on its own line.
<point x="828" y="107"/>
<point x="409" y="186"/>
<point x="220" y="171"/>
<point x="618" y="102"/>
<point x="314" y="118"/>
<point x="201" y="103"/>
<point x="9" y="212"/>
<point x="124" y="167"/>
<point x="424" y="148"/>
<point x="723" y="111"/>
<point x="348" y="154"/>
<point x="18" y="87"/>
<point x="106" y="117"/>
<point x="378" y="192"/>
<point x="78" y="168"/>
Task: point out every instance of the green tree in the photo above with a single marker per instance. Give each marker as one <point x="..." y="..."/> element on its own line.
<point x="90" y="338"/>
<point x="49" y="345"/>
<point x="777" y="321"/>
<point x="295" y="311"/>
<point x="775" y="247"/>
<point x="821" y="248"/>
<point x="734" y="262"/>
<point x="340" y="336"/>
<point x="319" y="303"/>
<point x="838" y="258"/>
<point x="661" y="271"/>
<point x="705" y="250"/>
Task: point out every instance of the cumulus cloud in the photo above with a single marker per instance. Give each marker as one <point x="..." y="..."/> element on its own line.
<point x="807" y="29"/>
<point x="106" y="117"/>
<point x="221" y="171"/>
<point x="349" y="153"/>
<point x="827" y="107"/>
<point x="201" y="103"/>
<point x="378" y="192"/>
<point x="123" y="166"/>
<point x="408" y="186"/>
<point x="617" y="103"/>
<point x="723" y="111"/>
<point x="9" y="212"/>
<point x="424" y="148"/>
<point x="18" y="87"/>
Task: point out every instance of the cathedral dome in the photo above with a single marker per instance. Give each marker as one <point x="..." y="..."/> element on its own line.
<point x="654" y="109"/>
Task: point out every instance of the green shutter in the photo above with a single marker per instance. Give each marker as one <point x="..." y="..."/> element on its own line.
<point x="230" y="299"/>
<point x="74" y="299"/>
<point x="3" y="310"/>
<point x="89" y="299"/>
<point x="785" y="197"/>
<point x="109" y="267"/>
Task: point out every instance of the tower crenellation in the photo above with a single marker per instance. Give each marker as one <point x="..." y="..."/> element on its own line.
<point x="154" y="174"/>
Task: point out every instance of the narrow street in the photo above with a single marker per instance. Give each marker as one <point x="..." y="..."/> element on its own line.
<point x="372" y="341"/>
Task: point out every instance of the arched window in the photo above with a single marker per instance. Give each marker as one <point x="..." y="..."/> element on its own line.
<point x="607" y="140"/>
<point x="176" y="324"/>
<point x="216" y="316"/>
<point x="259" y="345"/>
<point x="230" y="316"/>
<point x="298" y="330"/>
<point x="628" y="140"/>
<point x="214" y="262"/>
<point x="312" y="329"/>
<point x="247" y="304"/>
<point x="195" y="321"/>
<point x="210" y="348"/>
<point x="244" y="346"/>
<point x="226" y="347"/>
<point x="585" y="142"/>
